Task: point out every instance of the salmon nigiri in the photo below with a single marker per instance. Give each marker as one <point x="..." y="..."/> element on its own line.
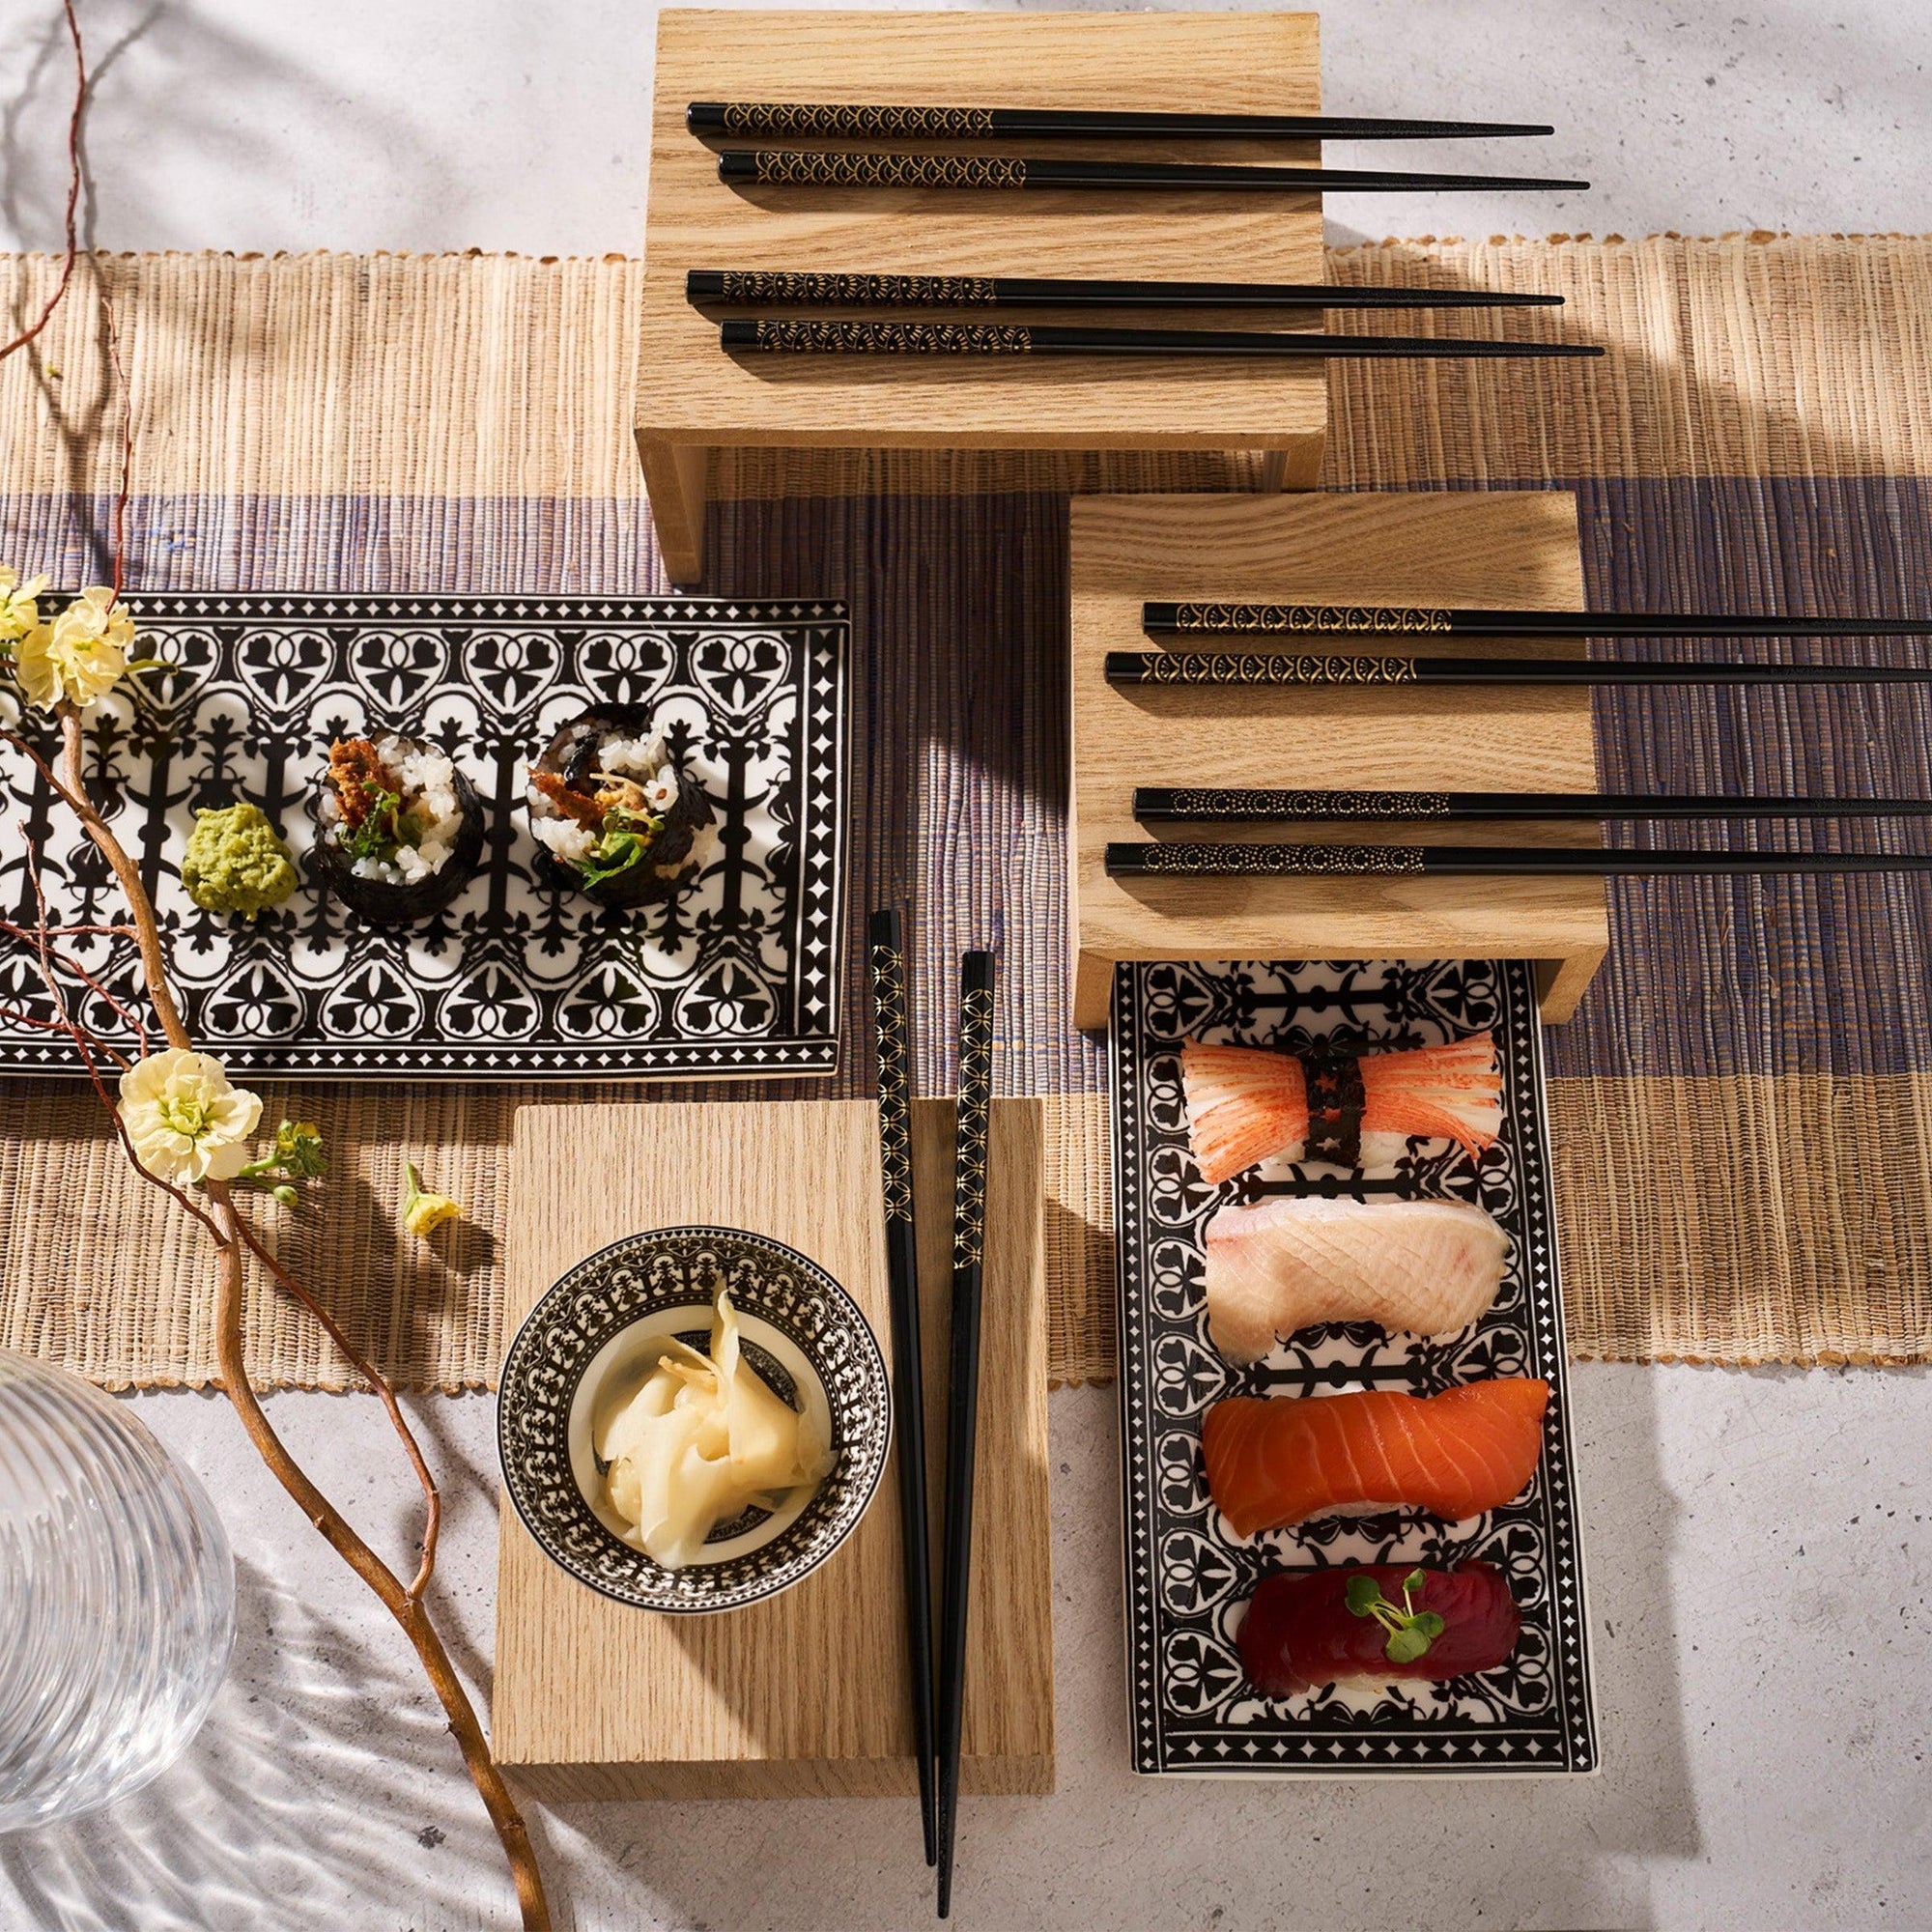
<point x="1248" y="1103"/>
<point x="1275" y="1462"/>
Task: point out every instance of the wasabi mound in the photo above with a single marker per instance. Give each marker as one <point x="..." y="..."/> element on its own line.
<point x="236" y="861"/>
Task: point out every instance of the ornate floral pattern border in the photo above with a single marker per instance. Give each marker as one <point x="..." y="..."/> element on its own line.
<point x="737" y="975"/>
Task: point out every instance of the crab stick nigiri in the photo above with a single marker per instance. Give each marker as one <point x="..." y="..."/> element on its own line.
<point x="1247" y="1103"/>
<point x="1379" y="1623"/>
<point x="1272" y="1463"/>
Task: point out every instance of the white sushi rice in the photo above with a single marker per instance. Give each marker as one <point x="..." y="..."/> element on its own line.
<point x="427" y="781"/>
<point x="639" y="757"/>
<point x="569" y="840"/>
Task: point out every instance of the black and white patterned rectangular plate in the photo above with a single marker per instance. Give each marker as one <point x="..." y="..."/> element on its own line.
<point x="737" y="976"/>
<point x="1188" y="1578"/>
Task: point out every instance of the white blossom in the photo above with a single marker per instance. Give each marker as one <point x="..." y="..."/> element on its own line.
<point x="186" y="1122"/>
<point x="79" y="655"/>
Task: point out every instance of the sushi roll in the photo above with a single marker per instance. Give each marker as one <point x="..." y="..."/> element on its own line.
<point x="398" y="829"/>
<point x="616" y="818"/>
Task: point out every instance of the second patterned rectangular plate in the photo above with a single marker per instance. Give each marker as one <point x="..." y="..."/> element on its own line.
<point x="1188" y="1578"/>
<point x="737" y="975"/>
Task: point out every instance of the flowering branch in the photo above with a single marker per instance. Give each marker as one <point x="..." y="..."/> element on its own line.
<point x="179" y="1120"/>
<point x="218" y="1148"/>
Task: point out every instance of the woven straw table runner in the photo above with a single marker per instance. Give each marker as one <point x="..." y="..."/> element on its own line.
<point x="1743" y="1108"/>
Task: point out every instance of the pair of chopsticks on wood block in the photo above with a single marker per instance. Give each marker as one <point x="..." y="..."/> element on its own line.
<point x="1296" y="667"/>
<point x="863" y="169"/>
<point x="938" y="1709"/>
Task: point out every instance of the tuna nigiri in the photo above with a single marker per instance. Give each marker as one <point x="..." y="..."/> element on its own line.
<point x="1271" y="1463"/>
<point x="1381" y="1623"/>
<point x="1248" y="1103"/>
<point x="1427" y="1266"/>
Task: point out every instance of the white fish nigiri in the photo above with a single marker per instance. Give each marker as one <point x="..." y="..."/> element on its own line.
<point x="1429" y="1268"/>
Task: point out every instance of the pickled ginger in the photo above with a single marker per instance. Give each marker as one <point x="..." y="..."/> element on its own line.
<point x="703" y="1439"/>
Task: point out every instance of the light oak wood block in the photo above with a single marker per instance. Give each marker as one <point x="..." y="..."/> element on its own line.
<point x="1506" y="548"/>
<point x="691" y="396"/>
<point x="808" y="1694"/>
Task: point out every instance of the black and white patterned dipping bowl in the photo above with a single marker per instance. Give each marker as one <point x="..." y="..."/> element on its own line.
<point x="599" y="1328"/>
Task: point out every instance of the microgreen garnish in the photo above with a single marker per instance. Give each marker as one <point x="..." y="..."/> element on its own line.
<point x="1410" y="1630"/>
<point x="625" y="842"/>
<point x="384" y="829"/>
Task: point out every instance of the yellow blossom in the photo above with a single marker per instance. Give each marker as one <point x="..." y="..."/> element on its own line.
<point x="185" y="1122"/>
<point x="423" y="1211"/>
<point x="19" y="606"/>
<point x="80" y="655"/>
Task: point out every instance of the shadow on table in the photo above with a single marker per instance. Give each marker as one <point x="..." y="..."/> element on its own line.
<point x="323" y="1779"/>
<point x="1111" y="1849"/>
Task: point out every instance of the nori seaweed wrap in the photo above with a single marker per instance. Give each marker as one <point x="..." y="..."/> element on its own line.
<point x="398" y="829"/>
<point x="613" y="815"/>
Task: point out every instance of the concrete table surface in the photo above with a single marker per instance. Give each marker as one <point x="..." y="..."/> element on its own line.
<point x="1760" y="1554"/>
<point x="1760" y="1558"/>
<point x="522" y="124"/>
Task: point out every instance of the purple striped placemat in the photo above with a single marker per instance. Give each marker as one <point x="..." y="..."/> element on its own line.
<point x="1741" y="1108"/>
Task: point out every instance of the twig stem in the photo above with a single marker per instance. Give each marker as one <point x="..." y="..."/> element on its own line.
<point x="73" y="229"/>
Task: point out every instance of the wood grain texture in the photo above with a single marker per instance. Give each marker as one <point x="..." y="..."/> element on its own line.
<point x="689" y="391"/>
<point x="1509" y="549"/>
<point x="808" y="1694"/>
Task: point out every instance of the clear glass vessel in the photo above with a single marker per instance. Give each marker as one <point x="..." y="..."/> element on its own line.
<point x="117" y="1598"/>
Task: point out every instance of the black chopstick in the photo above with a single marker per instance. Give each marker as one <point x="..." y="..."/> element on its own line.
<point x="1009" y="339"/>
<point x="1263" y="670"/>
<point x="785" y="288"/>
<point x="962" y="1414"/>
<point x="893" y="1041"/>
<point x="810" y="167"/>
<point x="1259" y="805"/>
<point x="1395" y="862"/>
<point x="1206" y="618"/>
<point x="836" y="121"/>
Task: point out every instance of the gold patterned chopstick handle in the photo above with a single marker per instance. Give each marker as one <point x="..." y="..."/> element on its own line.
<point x="1255" y="668"/>
<point x="1338" y="618"/>
<point x="889" y="1006"/>
<point x="976" y="1087"/>
<point x="789" y="289"/>
<point x="1250" y="802"/>
<point x="785" y="167"/>
<point x="886" y="338"/>
<point x="923" y="124"/>
<point x="1294" y="862"/>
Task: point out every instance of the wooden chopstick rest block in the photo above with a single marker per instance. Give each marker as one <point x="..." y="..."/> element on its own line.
<point x="805" y="1696"/>
<point x="694" y="399"/>
<point x="1514" y="550"/>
